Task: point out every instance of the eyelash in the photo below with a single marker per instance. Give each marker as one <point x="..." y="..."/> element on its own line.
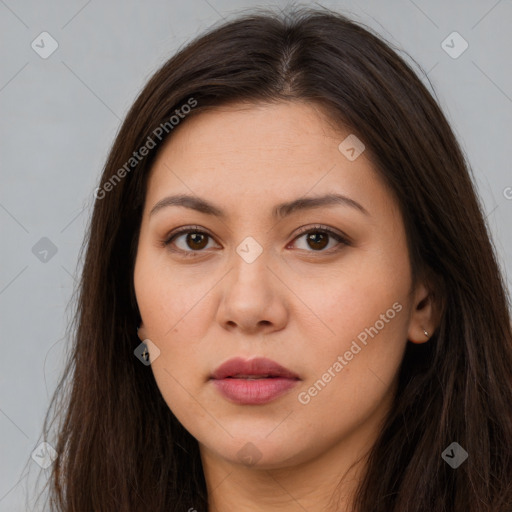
<point x="341" y="239"/>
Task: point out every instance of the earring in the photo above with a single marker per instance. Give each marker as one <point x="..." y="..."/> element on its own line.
<point x="426" y="333"/>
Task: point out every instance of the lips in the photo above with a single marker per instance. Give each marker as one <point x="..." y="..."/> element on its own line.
<point x="253" y="382"/>
<point x="257" y="368"/>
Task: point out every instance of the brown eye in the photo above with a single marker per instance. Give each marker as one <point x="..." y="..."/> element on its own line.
<point x="317" y="240"/>
<point x="188" y="242"/>
<point x="196" y="241"/>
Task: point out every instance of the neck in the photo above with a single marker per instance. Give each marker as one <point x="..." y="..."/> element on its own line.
<point x="325" y="483"/>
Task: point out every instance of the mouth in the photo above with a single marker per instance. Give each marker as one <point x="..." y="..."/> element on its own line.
<point x="252" y="377"/>
<point x="257" y="368"/>
<point x="253" y="382"/>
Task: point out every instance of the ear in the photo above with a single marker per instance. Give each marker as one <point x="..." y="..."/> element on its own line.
<point x="423" y="314"/>
<point x="141" y="332"/>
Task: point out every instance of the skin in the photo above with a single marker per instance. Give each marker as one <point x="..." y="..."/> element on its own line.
<point x="299" y="304"/>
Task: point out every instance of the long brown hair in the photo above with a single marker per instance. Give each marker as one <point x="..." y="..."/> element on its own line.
<point x="119" y="445"/>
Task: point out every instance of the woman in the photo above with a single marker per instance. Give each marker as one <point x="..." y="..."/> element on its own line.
<point x="289" y="298"/>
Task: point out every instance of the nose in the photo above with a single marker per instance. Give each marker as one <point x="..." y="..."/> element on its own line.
<point x="253" y="300"/>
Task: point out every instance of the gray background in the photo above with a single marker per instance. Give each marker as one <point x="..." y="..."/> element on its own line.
<point x="59" y="116"/>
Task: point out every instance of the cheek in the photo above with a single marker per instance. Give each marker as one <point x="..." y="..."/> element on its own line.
<point x="172" y="304"/>
<point x="368" y="332"/>
<point x="351" y="374"/>
<point x="353" y="297"/>
<point x="176" y="312"/>
<point x="175" y="319"/>
<point x="365" y="319"/>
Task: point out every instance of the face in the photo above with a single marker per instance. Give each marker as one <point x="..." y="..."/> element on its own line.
<point x="253" y="265"/>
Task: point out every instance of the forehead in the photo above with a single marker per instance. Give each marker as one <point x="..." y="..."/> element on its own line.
<point x="245" y="130"/>
<point x="244" y="153"/>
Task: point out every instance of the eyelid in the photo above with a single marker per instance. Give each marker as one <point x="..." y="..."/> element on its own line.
<point x="186" y="229"/>
<point x="168" y="239"/>
<point x="340" y="237"/>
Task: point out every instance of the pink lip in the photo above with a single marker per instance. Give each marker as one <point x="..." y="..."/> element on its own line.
<point x="231" y="380"/>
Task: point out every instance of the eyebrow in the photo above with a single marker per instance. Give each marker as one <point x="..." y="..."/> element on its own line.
<point x="280" y="211"/>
